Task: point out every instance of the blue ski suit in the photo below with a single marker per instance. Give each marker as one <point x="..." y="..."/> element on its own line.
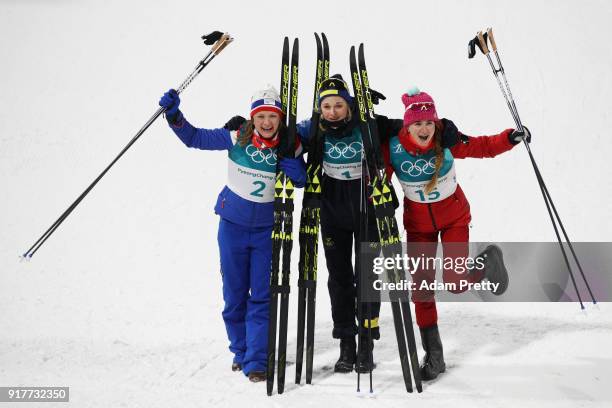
<point x="246" y="208"/>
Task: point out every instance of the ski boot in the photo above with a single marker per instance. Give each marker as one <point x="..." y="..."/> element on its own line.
<point x="494" y="268"/>
<point x="257" y="376"/>
<point x="365" y="356"/>
<point x="433" y="363"/>
<point x="348" y="355"/>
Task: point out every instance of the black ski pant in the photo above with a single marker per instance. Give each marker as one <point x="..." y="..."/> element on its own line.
<point x="340" y="224"/>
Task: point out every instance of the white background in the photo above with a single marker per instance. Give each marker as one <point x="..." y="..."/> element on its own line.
<point x="123" y="303"/>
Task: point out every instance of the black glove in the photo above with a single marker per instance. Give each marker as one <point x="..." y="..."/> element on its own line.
<point x="517" y="136"/>
<point x="450" y="134"/>
<point x="234" y="123"/>
<point x="387" y="128"/>
<point x="210" y="39"/>
<point x="376" y="96"/>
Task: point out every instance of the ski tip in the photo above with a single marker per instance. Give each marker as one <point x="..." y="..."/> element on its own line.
<point x="25" y="257"/>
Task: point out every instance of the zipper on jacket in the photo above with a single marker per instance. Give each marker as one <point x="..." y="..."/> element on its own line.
<point x="433" y="220"/>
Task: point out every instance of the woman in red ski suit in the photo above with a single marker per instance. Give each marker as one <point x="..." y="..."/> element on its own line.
<point x="435" y="207"/>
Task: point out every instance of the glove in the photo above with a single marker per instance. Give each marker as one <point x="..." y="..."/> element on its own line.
<point x="295" y="169"/>
<point x="376" y="96"/>
<point x="171" y="102"/>
<point x="210" y="39"/>
<point x="450" y="134"/>
<point x="517" y="136"/>
<point x="387" y="127"/>
<point x="234" y="123"/>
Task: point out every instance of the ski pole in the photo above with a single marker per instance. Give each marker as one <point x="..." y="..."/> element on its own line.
<point x="491" y="38"/>
<point x="219" y="41"/>
<point x="481" y="40"/>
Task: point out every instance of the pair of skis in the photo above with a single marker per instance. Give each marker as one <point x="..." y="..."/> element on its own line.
<point x="282" y="230"/>
<point x="309" y="226"/>
<point x="282" y="238"/>
<point x="379" y="192"/>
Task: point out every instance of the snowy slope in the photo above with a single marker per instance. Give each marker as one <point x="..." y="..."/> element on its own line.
<point x="123" y="303"/>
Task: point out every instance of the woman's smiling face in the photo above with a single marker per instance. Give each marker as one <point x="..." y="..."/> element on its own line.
<point x="422" y="132"/>
<point x="334" y="108"/>
<point x="266" y="123"/>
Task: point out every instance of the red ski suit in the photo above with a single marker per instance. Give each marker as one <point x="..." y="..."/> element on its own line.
<point x="446" y="220"/>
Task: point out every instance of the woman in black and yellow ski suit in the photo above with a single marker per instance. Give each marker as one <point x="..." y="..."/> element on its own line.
<point x="341" y="218"/>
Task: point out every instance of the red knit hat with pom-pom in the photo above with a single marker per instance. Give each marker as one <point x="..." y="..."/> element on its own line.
<point x="418" y="106"/>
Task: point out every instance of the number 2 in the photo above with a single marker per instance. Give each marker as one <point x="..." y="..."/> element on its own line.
<point x="347" y="174"/>
<point x="260" y="187"/>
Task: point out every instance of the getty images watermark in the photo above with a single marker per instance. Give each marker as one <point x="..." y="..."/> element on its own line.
<point x="466" y="272"/>
<point x="412" y="265"/>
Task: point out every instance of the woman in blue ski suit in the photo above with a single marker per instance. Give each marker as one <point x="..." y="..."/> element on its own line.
<point x="245" y="206"/>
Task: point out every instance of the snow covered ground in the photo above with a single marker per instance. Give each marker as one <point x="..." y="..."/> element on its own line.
<point x="123" y="303"/>
<point x="550" y="355"/>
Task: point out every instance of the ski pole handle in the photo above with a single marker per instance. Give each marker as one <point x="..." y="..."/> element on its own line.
<point x="216" y="49"/>
<point x="491" y="39"/>
<point x="222" y="43"/>
<point x="483" y="43"/>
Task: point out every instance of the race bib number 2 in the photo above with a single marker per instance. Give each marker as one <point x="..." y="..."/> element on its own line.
<point x="251" y="184"/>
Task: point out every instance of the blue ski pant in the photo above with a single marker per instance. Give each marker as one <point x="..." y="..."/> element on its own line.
<point x="246" y="256"/>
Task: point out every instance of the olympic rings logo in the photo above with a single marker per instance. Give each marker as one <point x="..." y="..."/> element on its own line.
<point x="420" y="166"/>
<point x="259" y="156"/>
<point x="341" y="149"/>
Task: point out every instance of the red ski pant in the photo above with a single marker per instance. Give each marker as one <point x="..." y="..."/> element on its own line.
<point x="455" y="246"/>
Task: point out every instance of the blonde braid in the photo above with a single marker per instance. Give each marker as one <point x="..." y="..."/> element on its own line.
<point x="439" y="159"/>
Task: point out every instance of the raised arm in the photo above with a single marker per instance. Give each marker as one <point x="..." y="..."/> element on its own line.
<point x="204" y="139"/>
<point x="483" y="146"/>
